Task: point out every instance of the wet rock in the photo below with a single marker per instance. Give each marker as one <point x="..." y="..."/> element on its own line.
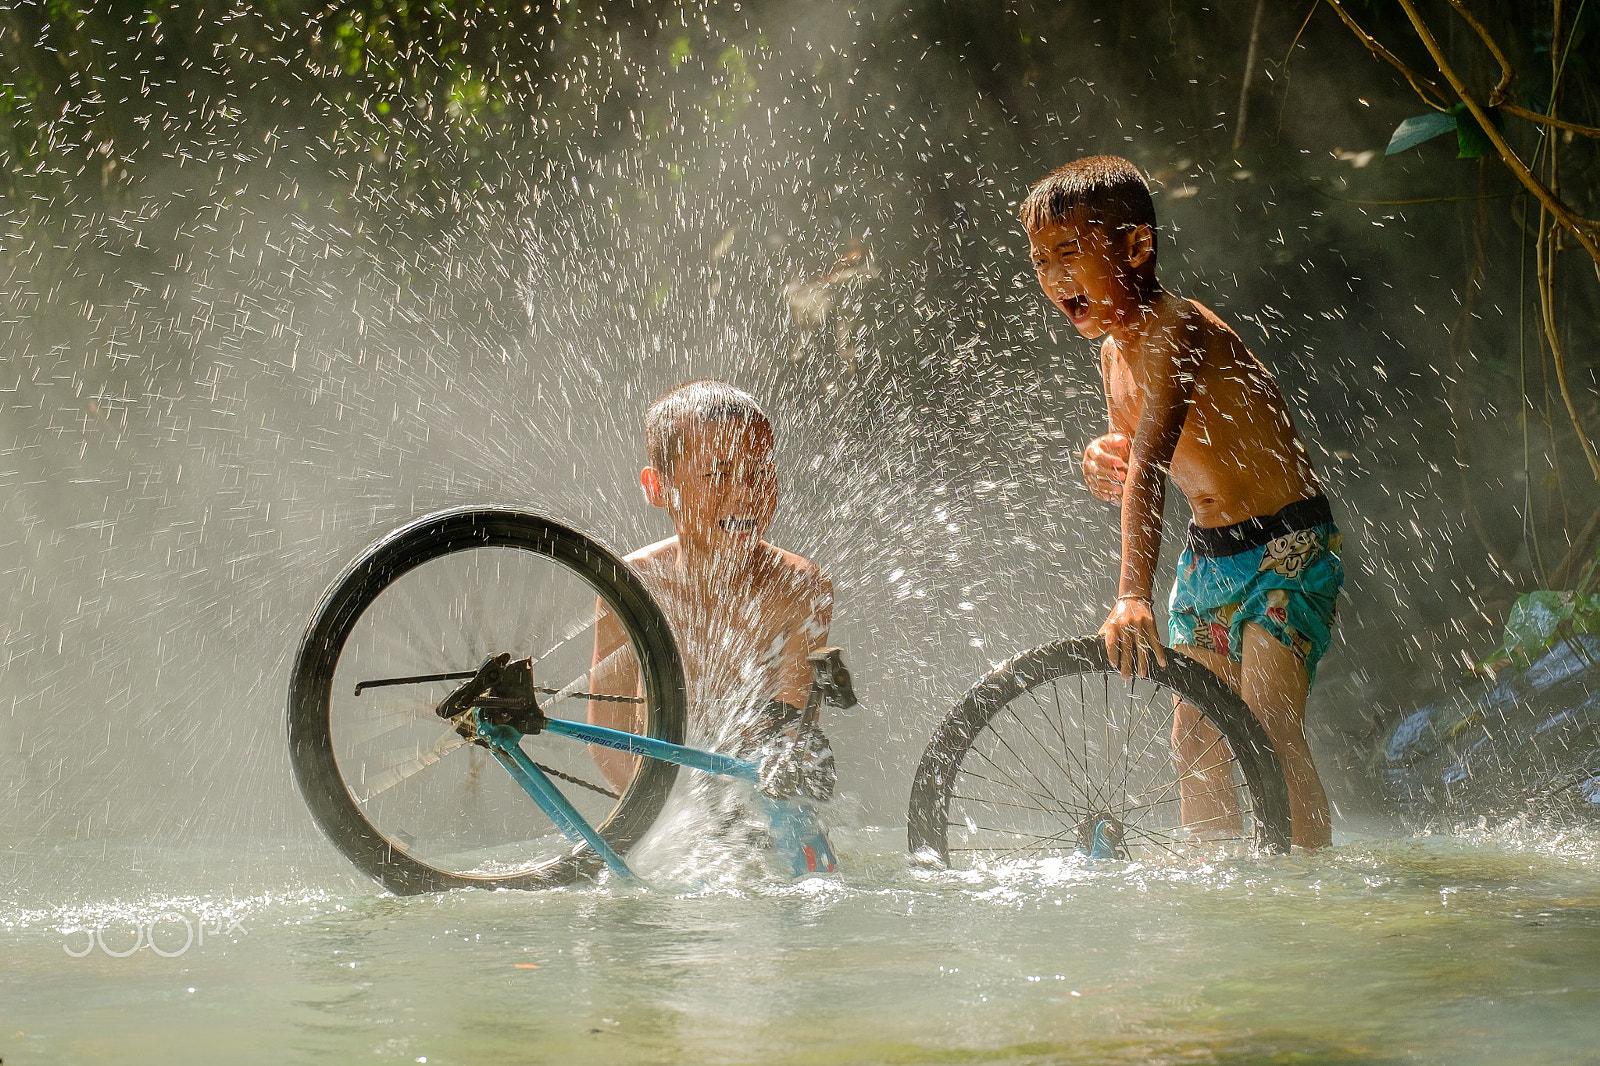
<point x="1529" y="742"/>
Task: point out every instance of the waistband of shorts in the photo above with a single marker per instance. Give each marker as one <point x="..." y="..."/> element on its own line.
<point x="1254" y="532"/>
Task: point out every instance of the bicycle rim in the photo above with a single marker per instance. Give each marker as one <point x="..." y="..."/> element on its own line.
<point x="1054" y="744"/>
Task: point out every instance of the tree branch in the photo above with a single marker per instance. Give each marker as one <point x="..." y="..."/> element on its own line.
<point x="1545" y="246"/>
<point x="1249" y="73"/>
<point x="1497" y="95"/>
<point x="1580" y="228"/>
<point x="1423" y="86"/>
<point x="1549" y="120"/>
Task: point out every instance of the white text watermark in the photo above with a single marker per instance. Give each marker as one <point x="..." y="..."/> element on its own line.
<point x="169" y="934"/>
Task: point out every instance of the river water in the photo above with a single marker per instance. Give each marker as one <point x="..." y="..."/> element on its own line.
<point x="1475" y="946"/>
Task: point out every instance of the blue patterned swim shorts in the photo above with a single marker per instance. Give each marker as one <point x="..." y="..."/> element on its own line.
<point x="1280" y="571"/>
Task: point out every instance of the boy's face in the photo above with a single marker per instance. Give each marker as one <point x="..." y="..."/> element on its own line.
<point x="722" y="490"/>
<point x="1083" y="271"/>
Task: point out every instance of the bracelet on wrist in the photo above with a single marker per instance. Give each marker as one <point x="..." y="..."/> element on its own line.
<point x="1135" y="596"/>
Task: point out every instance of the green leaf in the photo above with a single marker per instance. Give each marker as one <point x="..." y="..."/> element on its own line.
<point x="1471" y="141"/>
<point x="1534" y="622"/>
<point x="1535" y="616"/>
<point x="1413" y="131"/>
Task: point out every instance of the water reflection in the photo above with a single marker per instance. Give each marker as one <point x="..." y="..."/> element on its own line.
<point x="1471" y="947"/>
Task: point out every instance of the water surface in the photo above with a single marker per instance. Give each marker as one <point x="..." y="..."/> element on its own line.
<point x="1470" y="947"/>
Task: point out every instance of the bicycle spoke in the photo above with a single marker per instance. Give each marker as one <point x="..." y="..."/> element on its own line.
<point x="1069" y="775"/>
<point x="984" y="801"/>
<point x="1015" y="784"/>
<point x="575" y="628"/>
<point x="1151" y="841"/>
<point x="408" y="765"/>
<point x="1221" y="790"/>
<point x="576" y="686"/>
<point x="1032" y="841"/>
<point x="1024" y="764"/>
<point x="1129" y="764"/>
<point x="1088" y="776"/>
<point x="1177" y="782"/>
<point x="988" y="802"/>
<point x="1059" y="723"/>
<point x="363" y="729"/>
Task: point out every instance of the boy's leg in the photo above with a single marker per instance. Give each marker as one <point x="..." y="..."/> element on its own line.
<point x="1206" y="800"/>
<point x="1272" y="682"/>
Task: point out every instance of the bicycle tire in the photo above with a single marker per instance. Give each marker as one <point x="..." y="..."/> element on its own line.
<point x="979" y="724"/>
<point x="392" y="856"/>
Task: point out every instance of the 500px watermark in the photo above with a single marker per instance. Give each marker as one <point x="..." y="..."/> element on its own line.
<point x="169" y="934"/>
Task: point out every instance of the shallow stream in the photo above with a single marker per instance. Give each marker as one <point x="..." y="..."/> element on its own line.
<point x="1477" y="946"/>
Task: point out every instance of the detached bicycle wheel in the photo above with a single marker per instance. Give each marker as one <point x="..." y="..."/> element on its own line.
<point x="393" y="786"/>
<point x="1055" y="752"/>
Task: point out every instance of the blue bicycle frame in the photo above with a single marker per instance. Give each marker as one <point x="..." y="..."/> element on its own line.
<point x="796" y="833"/>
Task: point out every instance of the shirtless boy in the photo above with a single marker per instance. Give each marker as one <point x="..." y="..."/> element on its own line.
<point x="745" y="614"/>
<point x="1254" y="595"/>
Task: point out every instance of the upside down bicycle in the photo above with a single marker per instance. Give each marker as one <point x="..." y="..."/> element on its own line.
<point x="450" y="642"/>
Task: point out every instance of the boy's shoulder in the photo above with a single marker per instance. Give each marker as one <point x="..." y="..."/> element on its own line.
<point x="803" y="573"/>
<point x="654" y="558"/>
<point x="1200" y="320"/>
<point x="797" y="584"/>
<point x="1184" y="330"/>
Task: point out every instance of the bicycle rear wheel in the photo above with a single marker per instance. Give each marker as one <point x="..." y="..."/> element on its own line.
<point x="392" y="785"/>
<point x="1055" y="744"/>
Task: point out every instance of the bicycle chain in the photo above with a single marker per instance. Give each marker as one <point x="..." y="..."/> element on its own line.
<point x="553" y="772"/>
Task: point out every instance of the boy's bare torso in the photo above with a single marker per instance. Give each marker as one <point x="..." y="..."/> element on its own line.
<point x="1237" y="456"/>
<point x="743" y="633"/>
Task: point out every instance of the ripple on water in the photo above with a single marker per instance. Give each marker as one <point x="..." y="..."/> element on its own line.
<point x="1470" y="946"/>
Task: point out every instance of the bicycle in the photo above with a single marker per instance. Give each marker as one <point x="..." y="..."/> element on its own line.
<point x="1055" y="753"/>
<point x="391" y="765"/>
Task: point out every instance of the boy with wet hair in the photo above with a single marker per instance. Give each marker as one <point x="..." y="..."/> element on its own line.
<point x="1257" y="580"/>
<point x="745" y="613"/>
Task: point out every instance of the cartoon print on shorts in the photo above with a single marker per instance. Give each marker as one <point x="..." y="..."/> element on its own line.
<point x="1200" y="633"/>
<point x="1215" y="633"/>
<point x="1299" y="645"/>
<point x="1219" y="638"/>
<point x="1278" y="606"/>
<point x="1289" y="554"/>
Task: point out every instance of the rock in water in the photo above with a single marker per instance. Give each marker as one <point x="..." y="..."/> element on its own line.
<point x="1529" y="743"/>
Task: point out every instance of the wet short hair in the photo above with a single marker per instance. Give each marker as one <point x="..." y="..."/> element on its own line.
<point x="677" y="411"/>
<point x="1110" y="191"/>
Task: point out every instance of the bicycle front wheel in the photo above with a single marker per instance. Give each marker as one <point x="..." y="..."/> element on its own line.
<point x="1055" y="752"/>
<point x="393" y="786"/>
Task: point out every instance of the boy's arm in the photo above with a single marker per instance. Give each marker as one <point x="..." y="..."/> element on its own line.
<point x="1130" y="632"/>
<point x="1105" y="459"/>
<point x="614" y="672"/>
<point x="813" y="616"/>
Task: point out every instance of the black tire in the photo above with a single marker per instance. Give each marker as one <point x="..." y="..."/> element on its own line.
<point x="441" y="595"/>
<point x="1016" y="773"/>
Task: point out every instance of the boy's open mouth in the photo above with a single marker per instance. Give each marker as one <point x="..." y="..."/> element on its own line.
<point x="738" y="526"/>
<point x="1076" y="306"/>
